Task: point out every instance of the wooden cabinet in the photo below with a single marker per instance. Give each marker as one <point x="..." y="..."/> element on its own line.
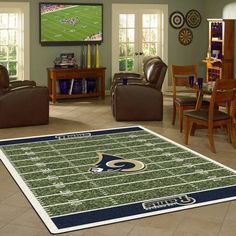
<point x="220" y="56"/>
<point x="55" y="76"/>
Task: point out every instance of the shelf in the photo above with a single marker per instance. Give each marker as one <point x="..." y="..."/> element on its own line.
<point x="220" y="45"/>
<point x="92" y="78"/>
<point x="82" y="95"/>
<point x="217" y="40"/>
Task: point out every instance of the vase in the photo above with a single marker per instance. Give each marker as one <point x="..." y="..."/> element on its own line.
<point x="88" y="56"/>
<point x="97" y="57"/>
<point x="83" y="57"/>
<point x="93" y="56"/>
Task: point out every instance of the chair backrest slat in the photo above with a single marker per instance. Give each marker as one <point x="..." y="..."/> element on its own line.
<point x="180" y="75"/>
<point x="181" y="81"/>
<point x="224" y="96"/>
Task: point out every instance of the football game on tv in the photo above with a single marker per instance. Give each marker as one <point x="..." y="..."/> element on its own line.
<point x="70" y="24"/>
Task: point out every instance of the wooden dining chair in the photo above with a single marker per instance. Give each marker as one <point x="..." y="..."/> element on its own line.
<point x="183" y="98"/>
<point x="224" y="92"/>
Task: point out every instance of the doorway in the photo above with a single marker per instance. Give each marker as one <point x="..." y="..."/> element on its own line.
<point x="138" y="31"/>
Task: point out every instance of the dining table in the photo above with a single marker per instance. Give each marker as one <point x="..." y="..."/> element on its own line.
<point x="205" y="89"/>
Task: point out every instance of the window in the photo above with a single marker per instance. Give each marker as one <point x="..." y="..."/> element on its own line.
<point x="138" y="31"/>
<point x="14" y="39"/>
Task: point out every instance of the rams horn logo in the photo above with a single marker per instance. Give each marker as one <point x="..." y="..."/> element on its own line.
<point x="108" y="163"/>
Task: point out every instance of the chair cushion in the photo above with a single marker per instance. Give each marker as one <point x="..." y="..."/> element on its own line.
<point x="203" y="115"/>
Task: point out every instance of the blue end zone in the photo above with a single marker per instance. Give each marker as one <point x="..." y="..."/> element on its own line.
<point x="130" y="210"/>
<point x="69" y="136"/>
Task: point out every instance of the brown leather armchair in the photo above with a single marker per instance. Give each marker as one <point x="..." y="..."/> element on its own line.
<point x="22" y="103"/>
<point x="141" y="98"/>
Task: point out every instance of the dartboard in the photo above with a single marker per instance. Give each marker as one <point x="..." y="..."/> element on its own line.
<point x="185" y="36"/>
<point x="193" y="18"/>
<point x="176" y="19"/>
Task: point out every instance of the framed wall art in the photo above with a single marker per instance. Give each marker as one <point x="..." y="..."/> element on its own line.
<point x="185" y="36"/>
<point x="177" y="19"/>
<point x="193" y="18"/>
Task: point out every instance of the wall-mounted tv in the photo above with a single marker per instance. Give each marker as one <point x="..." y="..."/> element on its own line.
<point x="70" y="23"/>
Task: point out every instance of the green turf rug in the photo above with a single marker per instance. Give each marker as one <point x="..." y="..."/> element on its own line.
<point x="84" y="179"/>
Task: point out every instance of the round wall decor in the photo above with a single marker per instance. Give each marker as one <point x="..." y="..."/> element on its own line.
<point x="185" y="36"/>
<point x="193" y="18"/>
<point x="176" y="19"/>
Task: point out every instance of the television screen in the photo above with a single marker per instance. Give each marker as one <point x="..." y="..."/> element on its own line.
<point x="70" y="24"/>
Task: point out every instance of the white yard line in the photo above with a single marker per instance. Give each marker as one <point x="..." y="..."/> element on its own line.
<point x="132" y="192"/>
<point x="74" y="166"/>
<point x="87" y="165"/>
<point x="92" y="152"/>
<point x="158" y="164"/>
<point x="76" y="142"/>
<point x="114" y="176"/>
<point x="115" y="185"/>
<point x="82" y="173"/>
<point x="95" y="157"/>
<point x="32" y="154"/>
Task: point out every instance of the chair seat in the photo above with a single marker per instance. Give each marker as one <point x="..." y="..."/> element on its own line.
<point x="203" y="115"/>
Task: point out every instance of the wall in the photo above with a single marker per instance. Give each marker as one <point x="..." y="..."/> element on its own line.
<point x="214" y="8"/>
<point x="42" y="57"/>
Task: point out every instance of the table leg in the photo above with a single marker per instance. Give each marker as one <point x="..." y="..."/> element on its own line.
<point x="103" y="85"/>
<point x="54" y="92"/>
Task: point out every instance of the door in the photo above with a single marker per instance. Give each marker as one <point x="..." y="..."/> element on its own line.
<point x="138" y="31"/>
<point x="14" y="39"/>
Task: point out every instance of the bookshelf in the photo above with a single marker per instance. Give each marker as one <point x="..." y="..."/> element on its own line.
<point x="220" y="56"/>
<point x="76" y="83"/>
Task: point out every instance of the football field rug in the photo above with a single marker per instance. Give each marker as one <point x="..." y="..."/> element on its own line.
<point x="84" y="179"/>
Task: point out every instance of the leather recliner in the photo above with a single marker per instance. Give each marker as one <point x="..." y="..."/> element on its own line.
<point x="22" y="103"/>
<point x="141" y="98"/>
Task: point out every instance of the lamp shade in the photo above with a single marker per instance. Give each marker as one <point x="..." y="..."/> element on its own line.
<point x="229" y="11"/>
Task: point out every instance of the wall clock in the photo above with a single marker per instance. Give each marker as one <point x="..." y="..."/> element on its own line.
<point x="193" y="18"/>
<point x="185" y="36"/>
<point x="176" y="19"/>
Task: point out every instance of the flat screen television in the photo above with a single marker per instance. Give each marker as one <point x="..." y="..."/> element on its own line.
<point x="70" y="23"/>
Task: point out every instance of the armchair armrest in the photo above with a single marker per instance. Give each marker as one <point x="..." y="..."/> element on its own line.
<point x="126" y="75"/>
<point x="133" y="78"/>
<point x="24" y="106"/>
<point x="19" y="83"/>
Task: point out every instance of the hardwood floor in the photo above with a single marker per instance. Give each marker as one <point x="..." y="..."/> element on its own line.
<point x="17" y="217"/>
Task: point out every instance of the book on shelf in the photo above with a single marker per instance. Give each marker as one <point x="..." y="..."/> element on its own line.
<point x="81" y="85"/>
<point x="84" y="86"/>
<point x="77" y="86"/>
<point x="71" y="86"/>
<point x="91" y="85"/>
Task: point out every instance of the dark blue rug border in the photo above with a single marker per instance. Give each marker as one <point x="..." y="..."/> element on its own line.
<point x="69" y="135"/>
<point x="130" y="210"/>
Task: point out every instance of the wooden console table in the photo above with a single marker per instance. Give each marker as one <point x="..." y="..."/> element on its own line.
<point x="54" y="75"/>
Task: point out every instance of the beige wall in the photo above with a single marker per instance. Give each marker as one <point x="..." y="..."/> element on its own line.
<point x="42" y="57"/>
